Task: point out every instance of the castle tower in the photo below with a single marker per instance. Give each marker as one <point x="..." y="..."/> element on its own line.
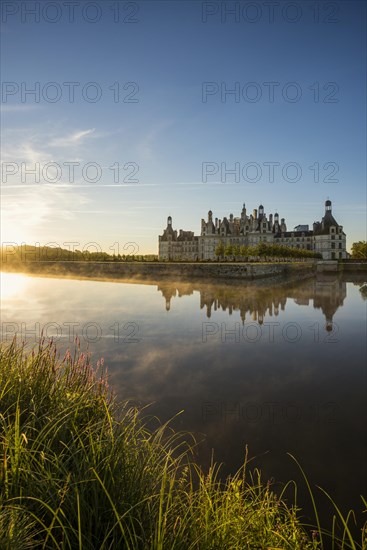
<point x="328" y="206"/>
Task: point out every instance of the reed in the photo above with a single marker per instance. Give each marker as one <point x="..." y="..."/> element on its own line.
<point x="79" y="470"/>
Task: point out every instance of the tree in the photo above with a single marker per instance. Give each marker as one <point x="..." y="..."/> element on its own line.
<point x="219" y="250"/>
<point x="359" y="250"/>
<point x="263" y="250"/>
<point x="252" y="251"/>
<point x="236" y="250"/>
<point x="228" y="250"/>
<point x="243" y="251"/>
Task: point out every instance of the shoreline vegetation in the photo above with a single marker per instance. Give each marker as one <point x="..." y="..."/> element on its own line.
<point x="79" y="470"/>
<point x="56" y="262"/>
<point x="270" y="265"/>
<point x="157" y="272"/>
<point x="13" y="253"/>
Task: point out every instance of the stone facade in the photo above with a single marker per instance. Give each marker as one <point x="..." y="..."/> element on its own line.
<point x="326" y="237"/>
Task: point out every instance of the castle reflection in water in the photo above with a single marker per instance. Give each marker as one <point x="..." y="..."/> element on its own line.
<point x="259" y="302"/>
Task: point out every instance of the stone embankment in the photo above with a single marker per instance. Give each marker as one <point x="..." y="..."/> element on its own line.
<point x="345" y="266"/>
<point x="161" y="270"/>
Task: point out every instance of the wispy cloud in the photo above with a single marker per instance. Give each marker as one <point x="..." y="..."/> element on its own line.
<point x="71" y="139"/>
<point x="27" y="151"/>
<point x="17" y="108"/>
<point x="29" y="214"/>
<point x="24" y="148"/>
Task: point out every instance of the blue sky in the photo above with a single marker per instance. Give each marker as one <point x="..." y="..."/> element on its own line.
<point x="149" y="97"/>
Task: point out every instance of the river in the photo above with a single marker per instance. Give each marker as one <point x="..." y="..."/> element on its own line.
<point x="279" y="368"/>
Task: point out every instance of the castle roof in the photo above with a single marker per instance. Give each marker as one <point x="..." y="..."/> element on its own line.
<point x="323" y="227"/>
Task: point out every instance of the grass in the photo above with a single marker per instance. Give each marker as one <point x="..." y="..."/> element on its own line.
<point x="78" y="470"/>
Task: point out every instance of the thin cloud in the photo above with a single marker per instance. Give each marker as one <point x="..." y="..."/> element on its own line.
<point x="17" y="108"/>
<point x="72" y="139"/>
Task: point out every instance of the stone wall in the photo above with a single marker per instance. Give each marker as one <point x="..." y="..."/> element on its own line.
<point x="353" y="267"/>
<point x="350" y="266"/>
<point x="161" y="270"/>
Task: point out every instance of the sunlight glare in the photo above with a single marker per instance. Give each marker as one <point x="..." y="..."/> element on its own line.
<point x="12" y="284"/>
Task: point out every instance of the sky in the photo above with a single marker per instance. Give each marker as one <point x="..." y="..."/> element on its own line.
<point x="115" y="115"/>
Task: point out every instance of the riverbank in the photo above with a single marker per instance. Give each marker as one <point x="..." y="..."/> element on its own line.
<point x="342" y="266"/>
<point x="80" y="470"/>
<point x="156" y="271"/>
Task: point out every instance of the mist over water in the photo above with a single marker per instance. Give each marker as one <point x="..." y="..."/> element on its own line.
<point x="279" y="368"/>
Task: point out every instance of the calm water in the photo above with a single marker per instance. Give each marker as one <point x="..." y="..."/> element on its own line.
<point x="280" y="369"/>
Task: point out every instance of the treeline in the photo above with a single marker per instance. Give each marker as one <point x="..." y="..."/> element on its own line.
<point x="28" y="253"/>
<point x="262" y="250"/>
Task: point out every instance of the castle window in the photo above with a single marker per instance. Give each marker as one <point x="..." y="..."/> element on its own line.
<point x="333" y="237"/>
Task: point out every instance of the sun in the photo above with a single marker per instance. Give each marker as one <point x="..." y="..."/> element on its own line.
<point x="12" y="284"/>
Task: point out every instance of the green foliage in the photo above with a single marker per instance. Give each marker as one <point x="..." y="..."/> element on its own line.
<point x="228" y="250"/>
<point x="79" y="470"/>
<point x="27" y="253"/>
<point x="359" y="250"/>
<point x="265" y="251"/>
<point x="236" y="250"/>
<point x="244" y="251"/>
<point x="219" y="250"/>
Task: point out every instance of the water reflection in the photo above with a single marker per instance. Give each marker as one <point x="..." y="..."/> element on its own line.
<point x="298" y="386"/>
<point x="327" y="293"/>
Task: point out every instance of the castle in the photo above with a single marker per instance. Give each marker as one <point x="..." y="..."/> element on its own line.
<point x="326" y="237"/>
